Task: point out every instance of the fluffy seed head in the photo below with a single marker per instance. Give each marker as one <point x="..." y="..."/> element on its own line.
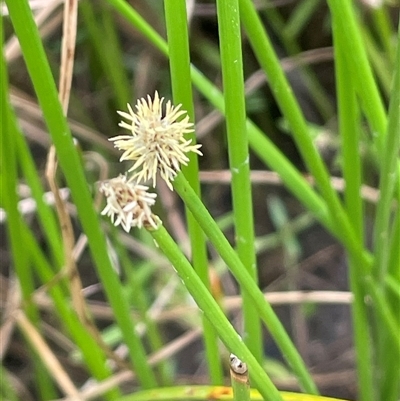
<point x="156" y="141"/>
<point x="128" y="204"/>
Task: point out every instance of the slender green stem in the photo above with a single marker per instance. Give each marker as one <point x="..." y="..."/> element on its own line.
<point x="386" y="316"/>
<point x="388" y="178"/>
<point x="176" y="21"/>
<point x="108" y="53"/>
<point x="384" y="29"/>
<point x="239" y="379"/>
<point x="299" y="19"/>
<point x="342" y="11"/>
<point x="7" y="389"/>
<point x="9" y="199"/>
<point x="235" y="265"/>
<point x="40" y="73"/>
<point x="288" y="32"/>
<point x="213" y="312"/>
<point x="292" y="112"/>
<point x="384" y="233"/>
<point x="141" y="24"/>
<point x="394" y="255"/>
<point x="45" y="213"/>
<point x="239" y="159"/>
<point x="382" y="69"/>
<point x="9" y="184"/>
<point x="349" y="133"/>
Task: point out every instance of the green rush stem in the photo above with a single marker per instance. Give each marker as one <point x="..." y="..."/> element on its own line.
<point x="352" y="44"/>
<point x="384" y="232"/>
<point x="384" y="29"/>
<point x="9" y="185"/>
<point x="239" y="159"/>
<point x="388" y="178"/>
<point x="235" y="265"/>
<point x="70" y="163"/>
<point x="386" y="316"/>
<point x="287" y="31"/>
<point x="382" y="69"/>
<point x="9" y="200"/>
<point x="394" y="252"/>
<point x="102" y="34"/>
<point x="240" y="386"/>
<point x="292" y="112"/>
<point x="179" y="60"/>
<point x="213" y="312"/>
<point x="23" y="244"/>
<point x="349" y="129"/>
<point x="45" y="213"/>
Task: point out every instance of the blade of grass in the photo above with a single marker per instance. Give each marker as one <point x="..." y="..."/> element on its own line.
<point x="384" y="233"/>
<point x="385" y="31"/>
<point x="8" y="389"/>
<point x="239" y="159"/>
<point x="391" y="328"/>
<point x="387" y="344"/>
<point x="348" y="116"/>
<point x="299" y="19"/>
<point x="105" y="42"/>
<point x="292" y="112"/>
<point x="39" y="71"/>
<point x="358" y="65"/>
<point x="13" y="146"/>
<point x="388" y="178"/>
<point x="179" y="59"/>
<point x="382" y="69"/>
<point x="45" y="214"/>
<point x="383" y="229"/>
<point x="287" y="32"/>
<point x="9" y="183"/>
<point x="394" y="255"/>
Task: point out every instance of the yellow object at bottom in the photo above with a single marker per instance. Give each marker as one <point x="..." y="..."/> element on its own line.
<point x="211" y="393"/>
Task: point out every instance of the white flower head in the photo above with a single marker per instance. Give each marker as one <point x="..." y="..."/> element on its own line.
<point x="128" y="204"/>
<point x="157" y="141"/>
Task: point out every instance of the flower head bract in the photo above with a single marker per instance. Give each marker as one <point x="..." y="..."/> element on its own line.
<point x="128" y="204"/>
<point x="156" y="141"/>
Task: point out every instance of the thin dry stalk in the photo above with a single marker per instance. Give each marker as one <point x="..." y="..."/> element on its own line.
<point x="54" y="367"/>
<point x="269" y="177"/>
<point x="12" y="49"/>
<point x="68" y="52"/>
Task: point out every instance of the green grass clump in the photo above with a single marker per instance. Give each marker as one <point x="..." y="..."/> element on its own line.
<point x="361" y="111"/>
